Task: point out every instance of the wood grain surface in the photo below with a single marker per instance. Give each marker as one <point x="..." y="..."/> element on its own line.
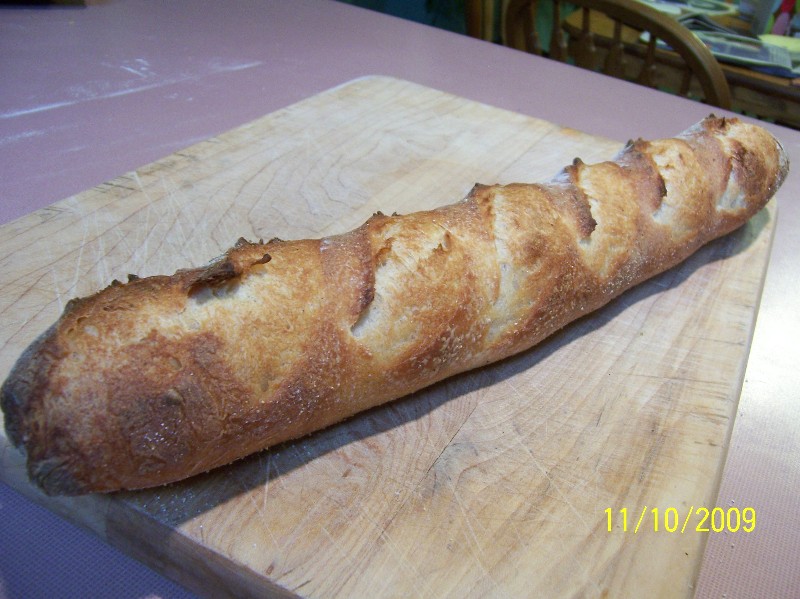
<point x="491" y="484"/>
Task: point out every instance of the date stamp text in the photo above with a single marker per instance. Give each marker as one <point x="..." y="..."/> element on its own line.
<point x="697" y="519"/>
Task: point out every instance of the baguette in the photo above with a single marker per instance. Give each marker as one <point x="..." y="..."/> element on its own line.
<point x="164" y="377"/>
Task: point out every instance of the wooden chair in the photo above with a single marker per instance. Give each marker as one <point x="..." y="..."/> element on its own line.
<point x="689" y="67"/>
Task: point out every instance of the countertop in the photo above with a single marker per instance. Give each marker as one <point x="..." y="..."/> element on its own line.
<point x="91" y="92"/>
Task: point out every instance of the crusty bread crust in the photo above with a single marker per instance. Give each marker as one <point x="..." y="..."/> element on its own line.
<point x="164" y="377"/>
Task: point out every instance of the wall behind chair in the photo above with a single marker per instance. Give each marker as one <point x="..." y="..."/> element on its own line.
<point x="444" y="14"/>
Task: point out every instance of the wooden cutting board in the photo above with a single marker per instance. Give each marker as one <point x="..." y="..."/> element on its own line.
<point x="492" y="484"/>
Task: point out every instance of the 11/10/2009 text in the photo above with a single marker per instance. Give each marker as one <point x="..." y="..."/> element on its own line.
<point x="715" y="519"/>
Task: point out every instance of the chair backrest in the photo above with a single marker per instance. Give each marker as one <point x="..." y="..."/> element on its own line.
<point x="619" y="54"/>
<point x="479" y="16"/>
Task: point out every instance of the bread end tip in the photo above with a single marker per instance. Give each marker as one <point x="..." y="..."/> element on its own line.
<point x="11" y="406"/>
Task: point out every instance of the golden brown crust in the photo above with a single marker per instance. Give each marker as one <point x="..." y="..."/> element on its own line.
<point x="161" y="378"/>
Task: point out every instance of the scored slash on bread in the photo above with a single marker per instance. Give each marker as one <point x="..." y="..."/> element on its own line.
<point x="164" y="377"/>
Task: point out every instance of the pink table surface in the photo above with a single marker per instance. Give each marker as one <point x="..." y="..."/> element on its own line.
<point x="89" y="93"/>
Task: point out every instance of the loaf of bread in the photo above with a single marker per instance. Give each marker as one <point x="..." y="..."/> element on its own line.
<point x="161" y="378"/>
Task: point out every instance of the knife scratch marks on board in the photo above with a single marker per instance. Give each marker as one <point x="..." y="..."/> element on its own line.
<point x="473" y="543"/>
<point x="421" y="588"/>
<point x="142" y="252"/>
<point x="102" y="265"/>
<point x="57" y="288"/>
<point x="264" y="519"/>
<point x="588" y="578"/>
<point x="138" y="181"/>
<point x="139" y="253"/>
<point x="76" y="275"/>
<point x="176" y="206"/>
<point x="526" y="401"/>
<point x="415" y="577"/>
<point x="546" y="474"/>
<point x="557" y="488"/>
<point x="340" y="549"/>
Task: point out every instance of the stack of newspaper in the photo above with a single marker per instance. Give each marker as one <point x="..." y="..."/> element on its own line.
<point x="732" y="47"/>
